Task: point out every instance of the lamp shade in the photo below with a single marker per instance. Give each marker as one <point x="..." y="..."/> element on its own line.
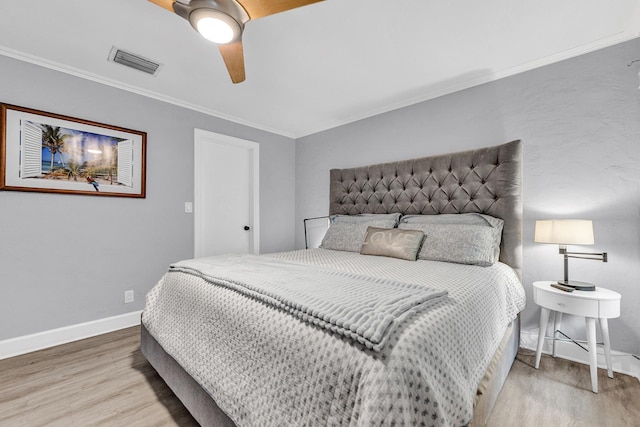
<point x="564" y="231"/>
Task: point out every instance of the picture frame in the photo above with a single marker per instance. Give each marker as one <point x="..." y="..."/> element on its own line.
<point x="52" y="153"/>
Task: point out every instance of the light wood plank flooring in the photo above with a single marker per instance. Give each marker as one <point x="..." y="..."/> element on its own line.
<point x="99" y="381"/>
<point x="105" y="381"/>
<point x="559" y="395"/>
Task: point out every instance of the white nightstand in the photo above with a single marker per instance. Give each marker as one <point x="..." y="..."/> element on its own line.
<point x="601" y="304"/>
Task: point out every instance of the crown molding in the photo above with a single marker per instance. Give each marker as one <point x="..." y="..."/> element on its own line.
<point x="56" y="66"/>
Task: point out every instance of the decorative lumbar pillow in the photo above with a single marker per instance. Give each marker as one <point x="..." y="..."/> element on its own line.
<point x="474" y="239"/>
<point x="395" y="243"/>
<point x="348" y="236"/>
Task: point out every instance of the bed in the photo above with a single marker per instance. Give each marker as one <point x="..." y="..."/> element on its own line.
<point x="237" y="354"/>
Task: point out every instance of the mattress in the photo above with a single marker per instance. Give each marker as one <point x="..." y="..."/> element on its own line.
<point x="265" y="367"/>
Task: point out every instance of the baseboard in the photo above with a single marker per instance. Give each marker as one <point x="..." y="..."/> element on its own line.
<point x="623" y="363"/>
<point x="41" y="340"/>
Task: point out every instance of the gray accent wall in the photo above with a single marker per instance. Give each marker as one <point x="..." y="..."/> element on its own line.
<point x="67" y="259"/>
<point x="579" y="121"/>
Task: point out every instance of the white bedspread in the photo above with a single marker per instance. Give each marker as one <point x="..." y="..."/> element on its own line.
<point x="265" y="367"/>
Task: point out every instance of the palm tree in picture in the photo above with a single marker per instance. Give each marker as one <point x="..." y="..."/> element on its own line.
<point x="54" y="141"/>
<point x="73" y="169"/>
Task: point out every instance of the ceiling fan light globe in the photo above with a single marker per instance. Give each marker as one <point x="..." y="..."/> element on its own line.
<point x="215" y="26"/>
<point x="215" y="30"/>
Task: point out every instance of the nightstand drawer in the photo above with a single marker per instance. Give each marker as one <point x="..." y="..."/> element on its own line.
<point x="567" y="304"/>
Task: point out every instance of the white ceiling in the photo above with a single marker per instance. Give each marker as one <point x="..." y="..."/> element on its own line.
<point x="321" y="65"/>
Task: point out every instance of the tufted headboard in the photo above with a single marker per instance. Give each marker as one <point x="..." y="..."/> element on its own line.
<point x="486" y="180"/>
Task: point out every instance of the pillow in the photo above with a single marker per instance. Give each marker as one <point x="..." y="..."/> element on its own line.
<point x="468" y="218"/>
<point x="464" y="243"/>
<point x="366" y="217"/>
<point x="392" y="242"/>
<point x="348" y="236"/>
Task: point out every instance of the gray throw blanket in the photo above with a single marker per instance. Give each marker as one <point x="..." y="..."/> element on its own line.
<point x="365" y="309"/>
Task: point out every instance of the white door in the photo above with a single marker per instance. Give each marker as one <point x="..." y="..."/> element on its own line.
<point x="226" y="196"/>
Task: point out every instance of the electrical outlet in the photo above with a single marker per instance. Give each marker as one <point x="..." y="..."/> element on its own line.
<point x="128" y="297"/>
<point x="188" y="207"/>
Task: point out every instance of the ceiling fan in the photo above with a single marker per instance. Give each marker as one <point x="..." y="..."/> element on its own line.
<point x="222" y="22"/>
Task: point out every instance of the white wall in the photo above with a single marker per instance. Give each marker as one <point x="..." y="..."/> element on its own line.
<point x="580" y="124"/>
<point x="68" y="259"/>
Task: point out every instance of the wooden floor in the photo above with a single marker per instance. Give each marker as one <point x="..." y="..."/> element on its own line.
<point x="559" y="395"/>
<point x="105" y="381"/>
<point x="99" y="381"/>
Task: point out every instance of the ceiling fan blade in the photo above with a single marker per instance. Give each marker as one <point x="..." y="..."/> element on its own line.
<point x="234" y="60"/>
<point x="165" y="4"/>
<point x="260" y="8"/>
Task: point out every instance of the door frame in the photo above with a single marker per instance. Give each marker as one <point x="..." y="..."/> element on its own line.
<point x="202" y="137"/>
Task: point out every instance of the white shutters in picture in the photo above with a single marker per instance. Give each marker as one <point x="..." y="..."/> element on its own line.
<point x="125" y="163"/>
<point x="31" y="158"/>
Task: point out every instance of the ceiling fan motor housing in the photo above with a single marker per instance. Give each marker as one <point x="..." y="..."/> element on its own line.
<point x="234" y="12"/>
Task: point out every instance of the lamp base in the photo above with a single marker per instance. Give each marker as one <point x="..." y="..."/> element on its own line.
<point x="578" y="286"/>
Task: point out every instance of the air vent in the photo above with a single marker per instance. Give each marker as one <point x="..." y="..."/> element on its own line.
<point x="133" y="61"/>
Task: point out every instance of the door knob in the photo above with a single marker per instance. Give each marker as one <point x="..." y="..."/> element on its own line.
<point x="247" y="228"/>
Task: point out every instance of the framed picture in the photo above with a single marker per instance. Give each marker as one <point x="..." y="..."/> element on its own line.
<point x="50" y="153"/>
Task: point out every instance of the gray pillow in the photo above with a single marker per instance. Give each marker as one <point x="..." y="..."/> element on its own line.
<point x="468" y="218"/>
<point x="474" y="242"/>
<point x="348" y="236"/>
<point x="392" y="242"/>
<point x="395" y="217"/>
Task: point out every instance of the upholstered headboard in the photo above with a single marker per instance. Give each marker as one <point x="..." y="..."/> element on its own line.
<point x="486" y="180"/>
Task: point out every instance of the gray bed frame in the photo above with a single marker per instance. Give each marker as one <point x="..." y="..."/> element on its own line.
<point x="486" y="180"/>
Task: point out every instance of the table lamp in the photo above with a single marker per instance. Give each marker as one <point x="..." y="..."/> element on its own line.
<point x="569" y="232"/>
